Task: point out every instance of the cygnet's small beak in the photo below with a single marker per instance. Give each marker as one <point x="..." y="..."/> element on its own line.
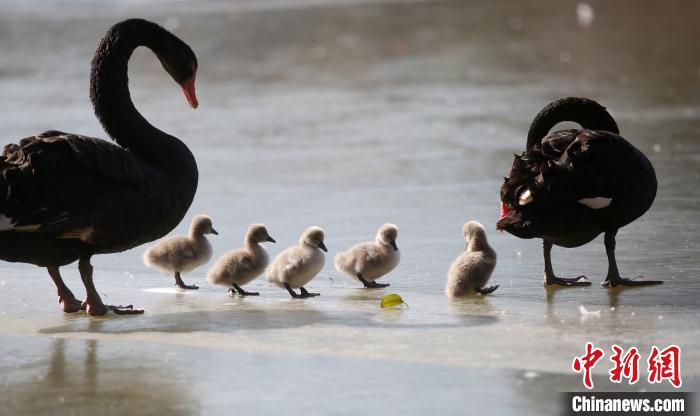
<point x="322" y="246"/>
<point x="393" y="244"/>
<point x="213" y="231"/>
<point x="270" y="239"/>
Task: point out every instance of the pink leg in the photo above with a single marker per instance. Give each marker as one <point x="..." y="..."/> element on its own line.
<point x="93" y="303"/>
<point x="66" y="298"/>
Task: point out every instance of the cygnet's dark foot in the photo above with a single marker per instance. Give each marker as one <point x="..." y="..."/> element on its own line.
<point x="187" y="287"/>
<point x="372" y="284"/>
<point x="241" y="291"/>
<point x="613" y="281"/>
<point x="70" y="304"/>
<point x="486" y="290"/>
<point x="179" y="283"/>
<point x="306" y="294"/>
<point x="97" y="308"/>
<point x="574" y="281"/>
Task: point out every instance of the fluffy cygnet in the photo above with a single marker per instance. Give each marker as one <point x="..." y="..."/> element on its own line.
<point x="472" y="269"/>
<point x="241" y="266"/>
<point x="297" y="265"/>
<point x="368" y="262"/>
<point x="182" y="253"/>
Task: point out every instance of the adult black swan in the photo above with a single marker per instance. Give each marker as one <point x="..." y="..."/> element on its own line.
<point x="65" y="197"/>
<point x="571" y="185"/>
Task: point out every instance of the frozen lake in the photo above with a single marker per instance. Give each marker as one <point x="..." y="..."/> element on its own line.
<point x="347" y="115"/>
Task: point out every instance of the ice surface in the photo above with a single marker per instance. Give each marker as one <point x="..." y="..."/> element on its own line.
<point x="410" y="115"/>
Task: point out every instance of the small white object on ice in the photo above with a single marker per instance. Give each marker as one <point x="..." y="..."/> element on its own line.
<point x="585" y="311"/>
<point x="531" y="374"/>
<point x="585" y="14"/>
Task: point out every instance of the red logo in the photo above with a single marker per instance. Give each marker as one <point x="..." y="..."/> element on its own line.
<point x="665" y="365"/>
<point x="662" y="364"/>
<point x="626" y="366"/>
<point x="586" y="362"/>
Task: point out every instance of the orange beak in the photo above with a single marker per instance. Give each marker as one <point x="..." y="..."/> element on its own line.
<point x="190" y="95"/>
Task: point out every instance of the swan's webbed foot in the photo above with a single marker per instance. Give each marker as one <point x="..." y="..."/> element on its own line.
<point x="549" y="277"/>
<point x="241" y="291"/>
<point x="180" y="284"/>
<point x="616" y="280"/>
<point x="70" y="304"/>
<point x="561" y="281"/>
<point x="124" y="310"/>
<point x="93" y="303"/>
<point x="486" y="290"/>
<point x="372" y="284"/>
<point x="97" y="308"/>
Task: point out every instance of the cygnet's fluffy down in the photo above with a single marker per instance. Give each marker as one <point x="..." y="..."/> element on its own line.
<point x="182" y="253"/>
<point x="368" y="262"/>
<point x="297" y="265"/>
<point x="240" y="267"/>
<point x="472" y="269"/>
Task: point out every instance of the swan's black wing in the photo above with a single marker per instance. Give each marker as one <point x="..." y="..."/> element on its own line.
<point x="572" y="177"/>
<point x="56" y="183"/>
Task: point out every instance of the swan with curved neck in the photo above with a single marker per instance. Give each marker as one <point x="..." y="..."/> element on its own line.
<point x="66" y="197"/>
<point x="569" y="186"/>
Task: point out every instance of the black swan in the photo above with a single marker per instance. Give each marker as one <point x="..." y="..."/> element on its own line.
<point x="571" y="185"/>
<point x="66" y="197"/>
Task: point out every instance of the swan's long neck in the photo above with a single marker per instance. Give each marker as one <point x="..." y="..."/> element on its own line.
<point x="588" y="113"/>
<point x="109" y="93"/>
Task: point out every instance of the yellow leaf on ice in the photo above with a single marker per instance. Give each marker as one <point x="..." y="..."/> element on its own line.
<point x="392" y="300"/>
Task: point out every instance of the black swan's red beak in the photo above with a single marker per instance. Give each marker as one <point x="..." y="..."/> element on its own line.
<point x="505" y="209"/>
<point x="190" y="95"/>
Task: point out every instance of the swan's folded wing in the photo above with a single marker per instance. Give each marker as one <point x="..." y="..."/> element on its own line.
<point x="52" y="182"/>
<point x="599" y="163"/>
<point x="573" y="170"/>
